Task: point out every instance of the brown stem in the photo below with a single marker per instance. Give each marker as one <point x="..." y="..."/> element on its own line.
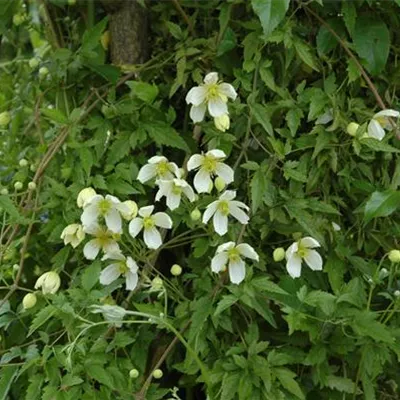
<point x="184" y="16"/>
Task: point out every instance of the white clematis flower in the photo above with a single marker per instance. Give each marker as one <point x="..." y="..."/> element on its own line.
<point x="223" y="207"/>
<point x="108" y="207"/>
<point x="209" y="165"/>
<point x="302" y="250"/>
<point x="122" y="265"/>
<point x="73" y="234"/>
<point x="49" y="282"/>
<point x="158" y="167"/>
<point x="149" y="224"/>
<point x="231" y="254"/>
<point x="173" y="190"/>
<point x="104" y="240"/>
<point x="84" y="196"/>
<point x="212" y="95"/>
<point x="222" y="123"/>
<point x="379" y="122"/>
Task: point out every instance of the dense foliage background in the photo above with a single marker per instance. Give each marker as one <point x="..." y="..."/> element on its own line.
<point x="303" y="71"/>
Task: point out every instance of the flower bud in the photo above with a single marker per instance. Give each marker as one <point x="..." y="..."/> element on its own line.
<point x="33" y="63"/>
<point x="29" y="301"/>
<point x="18" y="19"/>
<point x="219" y="184"/>
<point x="336" y="227"/>
<point x="5" y="118"/>
<point x="43" y="72"/>
<point x="49" y="282"/>
<point x="133" y="210"/>
<point x="383" y="273"/>
<point x="157" y="374"/>
<point x="278" y="254"/>
<point x="73" y="234"/>
<point x="32" y="167"/>
<point x="157" y="284"/>
<point x="23" y="163"/>
<point x="105" y="40"/>
<point x="18" y="185"/>
<point x="31" y="185"/>
<point x="210" y="187"/>
<point x="176" y="270"/>
<point x="4" y="191"/>
<point x="133" y="373"/>
<point x="394" y="256"/>
<point x="397" y="293"/>
<point x="352" y="128"/>
<point x="222" y="123"/>
<point x="84" y="196"/>
<point x="195" y="215"/>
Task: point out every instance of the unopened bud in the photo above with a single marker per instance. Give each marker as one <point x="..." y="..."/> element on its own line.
<point x="157" y="374"/>
<point x="195" y="215"/>
<point x="219" y="184"/>
<point x="133" y="210"/>
<point x="157" y="284"/>
<point x="23" y="163"/>
<point x="18" y="185"/>
<point x="394" y="256"/>
<point x="84" y="196"/>
<point x="4" y="191"/>
<point x="33" y="63"/>
<point x="397" y="293"/>
<point x="133" y="373"/>
<point x="15" y="267"/>
<point x="49" y="282"/>
<point x="29" y="301"/>
<point x="31" y="185"/>
<point x="222" y="123"/>
<point x="278" y="254"/>
<point x="176" y="270"/>
<point x="43" y="72"/>
<point x="5" y="118"/>
<point x="352" y="128"/>
<point x="210" y="187"/>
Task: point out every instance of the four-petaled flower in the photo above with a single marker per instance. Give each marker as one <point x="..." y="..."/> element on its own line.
<point x="302" y="250"/>
<point x="229" y="253"/>
<point x="379" y="122"/>
<point x="158" y="167"/>
<point x="104" y="240"/>
<point x="223" y="207"/>
<point x="149" y="224"/>
<point x="109" y="207"/>
<point x="121" y="265"/>
<point x="211" y="93"/>
<point x="209" y="165"/>
<point x="73" y="234"/>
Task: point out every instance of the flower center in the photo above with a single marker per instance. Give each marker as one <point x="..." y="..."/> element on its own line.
<point x="303" y="251"/>
<point x="234" y="255"/>
<point x="103" y="237"/>
<point x="381" y="121"/>
<point x="104" y="207"/>
<point x="123" y="268"/>
<point x="162" y="168"/>
<point x="212" y="91"/>
<point x="148" y="223"/>
<point x="223" y="207"/>
<point x="210" y="164"/>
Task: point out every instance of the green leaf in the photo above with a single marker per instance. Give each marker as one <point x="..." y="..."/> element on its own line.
<point x="108" y="72"/>
<point x="270" y="12"/>
<point x="261" y="115"/>
<point x="175" y="30"/>
<point x="293" y="118"/>
<point x="90" y="275"/>
<point x="41" y="317"/>
<point x="381" y="204"/>
<point x="98" y="373"/>
<point x="86" y="158"/>
<point x="376" y="145"/>
<point x="372" y="42"/>
<point x="303" y="50"/>
<point x="7" y="376"/>
<point x="145" y="91"/>
<point x="8" y="207"/>
<point x="55" y="115"/>
<point x="364" y="324"/>
<point x="226" y="302"/>
<point x="34" y="389"/>
<point x="258" y="187"/>
<point x="326" y="42"/>
<point x="341" y="384"/>
<point x="91" y="38"/>
<point x="265" y="284"/>
<point x="230" y="384"/>
<point x="286" y="378"/>
<point x="163" y="134"/>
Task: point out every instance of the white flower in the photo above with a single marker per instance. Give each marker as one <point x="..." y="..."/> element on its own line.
<point x="122" y="266"/>
<point x="157" y="167"/>
<point x="85" y="196"/>
<point x="73" y="234"/>
<point x="148" y="223"/>
<point x="223" y="207"/>
<point x="209" y="164"/>
<point x="231" y="254"/>
<point x="105" y="240"/>
<point x="173" y="189"/>
<point x="211" y="93"/>
<point x="222" y="123"/>
<point x="110" y="313"/>
<point x="49" y="282"/>
<point x="108" y="207"/>
<point x="379" y="122"/>
<point x="303" y="250"/>
<point x="133" y="209"/>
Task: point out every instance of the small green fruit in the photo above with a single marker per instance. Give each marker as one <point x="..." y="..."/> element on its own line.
<point x="18" y="185"/>
<point x="133" y="373"/>
<point x="43" y="72"/>
<point x="394" y="256"/>
<point x="157" y="374"/>
<point x="176" y="270"/>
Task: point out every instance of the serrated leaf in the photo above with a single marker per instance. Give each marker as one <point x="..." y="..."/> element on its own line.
<point x="98" y="373"/>
<point x="226" y="302"/>
<point x="270" y="13"/>
<point x="41" y="318"/>
<point x="379" y="146"/>
<point x="304" y="52"/>
<point x="7" y="376"/>
<point x="293" y="118"/>
<point x="8" y="207"/>
<point x="86" y="158"/>
<point x="340" y="383"/>
<point x="34" y="389"/>
<point x="55" y="115"/>
<point x="381" y="204"/>
<point x="144" y="91"/>
<point x="258" y="186"/>
<point x="286" y="378"/>
<point x="163" y="134"/>
<point x="261" y="115"/>
<point x="91" y="275"/>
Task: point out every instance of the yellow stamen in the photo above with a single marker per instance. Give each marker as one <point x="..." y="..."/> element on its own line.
<point x="223" y="207"/>
<point x="162" y="168"/>
<point x="104" y="206"/>
<point x="233" y="255"/>
<point x="210" y="163"/>
<point x="148" y="223"/>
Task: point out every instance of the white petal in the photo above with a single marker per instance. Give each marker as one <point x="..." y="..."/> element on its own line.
<point x="113" y="255"/>
<point x="291" y="250"/>
<point x="209" y="212"/>
<point x="152" y="238"/>
<point x="197" y="112"/>
<point x="226" y="246"/>
<point x="218" y="262"/>
<point x="146" y="211"/>
<point x="164" y="188"/>
<point x="147" y="172"/>
<point x="131" y="264"/>
<point x="247" y="251"/>
<point x="293" y="266"/>
<point x="237" y="271"/>
<point x="228" y="90"/>
<point x="195" y="161"/>
<point x="211" y="77"/>
<point x="313" y="260"/>
<point x="157" y="159"/>
<point x="220" y="222"/>
<point x="189" y="193"/>
<point x="162" y="220"/>
<point x="135" y="226"/>
<point x="89" y="215"/>
<point x="310" y="242"/>
<point x="173" y="201"/>
<point x="228" y="195"/>
<point x="217" y="107"/>
<point x="239" y="214"/>
<point x="216" y="153"/>
<point x="239" y="204"/>
<point x="109" y="274"/>
<point x="91" y="249"/>
<point x="196" y="95"/>
<point x="113" y="199"/>
<point x="202" y="181"/>
<point x="113" y="221"/>
<point x="387" y="113"/>
<point x="111" y="246"/>
<point x="131" y="280"/>
<point x="375" y="130"/>
<point x="225" y="172"/>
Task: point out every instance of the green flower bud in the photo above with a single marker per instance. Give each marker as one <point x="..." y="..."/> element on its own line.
<point x="157" y="374"/>
<point x="195" y="215"/>
<point x="33" y="63"/>
<point x="133" y="373"/>
<point x="31" y="185"/>
<point x="18" y="185"/>
<point x="394" y="256"/>
<point x="157" y="284"/>
<point x="176" y="270"/>
<point x="133" y="210"/>
<point x="23" y="162"/>
<point x="397" y="293"/>
<point x="49" y="282"/>
<point x="5" y="118"/>
<point x="29" y="301"/>
<point x="18" y="19"/>
<point x="278" y="254"/>
<point x="222" y="123"/>
<point x="4" y="191"/>
<point x="219" y="184"/>
<point x="15" y="267"/>
<point x="43" y="72"/>
<point x="352" y="128"/>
